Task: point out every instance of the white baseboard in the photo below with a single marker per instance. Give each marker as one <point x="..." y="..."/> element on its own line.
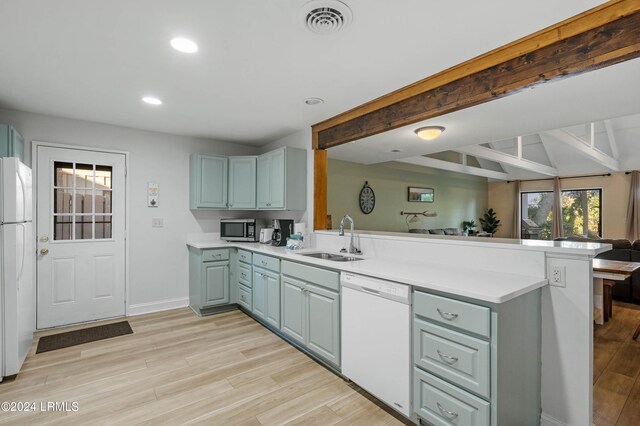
<point x="162" y="305"/>
<point x="547" y="420"/>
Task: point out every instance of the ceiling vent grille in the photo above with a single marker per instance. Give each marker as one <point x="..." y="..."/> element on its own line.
<point x="326" y="16"/>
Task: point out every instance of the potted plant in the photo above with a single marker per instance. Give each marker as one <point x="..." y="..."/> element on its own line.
<point x="489" y="221"/>
<point x="469" y="227"/>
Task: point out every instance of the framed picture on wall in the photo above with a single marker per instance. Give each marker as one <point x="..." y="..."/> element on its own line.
<point x="421" y="195"/>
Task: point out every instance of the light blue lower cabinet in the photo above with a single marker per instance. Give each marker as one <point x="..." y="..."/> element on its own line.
<point x="245" y="297"/>
<point x="266" y="296"/>
<point x="311" y="315"/>
<point x="457" y="357"/>
<point x="294" y="321"/>
<point x="323" y="337"/>
<point x="216" y="287"/>
<point x="442" y="404"/>
<point x="209" y="279"/>
<point x="475" y="364"/>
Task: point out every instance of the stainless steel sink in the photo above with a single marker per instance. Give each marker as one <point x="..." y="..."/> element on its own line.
<point x="331" y="256"/>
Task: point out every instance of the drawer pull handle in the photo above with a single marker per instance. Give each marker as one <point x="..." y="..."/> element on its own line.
<point x="447" y="358"/>
<point x="447" y="315"/>
<point x="448" y="414"/>
<point x="263" y="263"/>
<point x="243" y="276"/>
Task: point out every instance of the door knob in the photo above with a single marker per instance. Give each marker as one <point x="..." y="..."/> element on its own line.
<point x="44" y="251"/>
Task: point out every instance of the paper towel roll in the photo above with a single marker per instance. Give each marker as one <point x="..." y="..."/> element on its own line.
<point x="300" y="227"/>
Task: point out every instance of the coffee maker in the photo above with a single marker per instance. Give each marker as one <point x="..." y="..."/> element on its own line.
<point x="282" y="229"/>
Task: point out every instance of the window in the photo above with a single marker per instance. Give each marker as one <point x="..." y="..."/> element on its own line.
<point x="581" y="213"/>
<point x="82" y="201"/>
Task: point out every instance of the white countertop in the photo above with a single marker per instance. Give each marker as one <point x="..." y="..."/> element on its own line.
<point x="487" y="286"/>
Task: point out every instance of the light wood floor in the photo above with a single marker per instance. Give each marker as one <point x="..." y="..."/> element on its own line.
<point x="616" y="369"/>
<point x="178" y="368"/>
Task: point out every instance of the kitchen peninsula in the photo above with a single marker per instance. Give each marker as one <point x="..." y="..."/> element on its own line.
<point x="505" y="277"/>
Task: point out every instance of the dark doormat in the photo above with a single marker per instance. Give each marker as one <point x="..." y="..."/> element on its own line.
<point x="86" y="335"/>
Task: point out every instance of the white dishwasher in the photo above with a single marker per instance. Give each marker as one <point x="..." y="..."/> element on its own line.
<point x="376" y="338"/>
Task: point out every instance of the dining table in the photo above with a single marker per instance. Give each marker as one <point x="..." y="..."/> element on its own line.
<point x="605" y="274"/>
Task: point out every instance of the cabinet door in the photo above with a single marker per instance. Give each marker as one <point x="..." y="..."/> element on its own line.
<point x="277" y="179"/>
<point x="209" y="182"/>
<point x="272" y="313"/>
<point x="11" y="142"/>
<point x="263" y="195"/>
<point x="242" y="183"/>
<point x="216" y="283"/>
<point x="323" y="313"/>
<point x="293" y="309"/>
<point x="259" y="293"/>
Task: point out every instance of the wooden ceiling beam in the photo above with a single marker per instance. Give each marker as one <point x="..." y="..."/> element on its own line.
<point x="600" y="37"/>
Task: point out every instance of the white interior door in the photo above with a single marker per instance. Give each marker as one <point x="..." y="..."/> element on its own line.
<point x="80" y="235"/>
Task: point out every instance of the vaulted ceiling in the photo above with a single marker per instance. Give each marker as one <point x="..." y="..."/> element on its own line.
<point x="581" y="125"/>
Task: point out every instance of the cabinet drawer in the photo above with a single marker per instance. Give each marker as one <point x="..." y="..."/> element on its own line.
<point x="465" y="316"/>
<point x="245" y="297"/>
<point x="267" y="262"/>
<point x="244" y="274"/>
<point x="244" y="256"/>
<point x="310" y="274"/>
<point x="443" y="404"/>
<point x="461" y="359"/>
<point x="215" y="255"/>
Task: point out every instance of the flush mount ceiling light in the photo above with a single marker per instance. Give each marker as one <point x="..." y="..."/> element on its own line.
<point x="429" y="133"/>
<point x="326" y="16"/>
<point x="184" y="45"/>
<point x="151" y="100"/>
<point x="313" y="101"/>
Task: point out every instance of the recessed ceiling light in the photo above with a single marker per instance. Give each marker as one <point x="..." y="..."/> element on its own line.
<point x="151" y="100"/>
<point x="430" y="132"/>
<point x="184" y="45"/>
<point x="313" y="101"/>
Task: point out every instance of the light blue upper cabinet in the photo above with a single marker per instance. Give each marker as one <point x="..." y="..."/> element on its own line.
<point x="242" y="183"/>
<point x="282" y="179"/>
<point x="11" y="142"/>
<point x="208" y="181"/>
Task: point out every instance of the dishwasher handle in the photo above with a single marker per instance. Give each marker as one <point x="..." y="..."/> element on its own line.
<point x="370" y="290"/>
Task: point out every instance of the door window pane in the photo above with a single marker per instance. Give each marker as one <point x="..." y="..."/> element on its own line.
<point x="82" y="194"/>
<point x="84" y="175"/>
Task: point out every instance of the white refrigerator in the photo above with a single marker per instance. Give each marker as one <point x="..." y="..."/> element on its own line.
<point x="17" y="256"/>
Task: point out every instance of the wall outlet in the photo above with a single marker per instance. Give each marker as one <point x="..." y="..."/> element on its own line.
<point x="557" y="276"/>
<point x="157" y="222"/>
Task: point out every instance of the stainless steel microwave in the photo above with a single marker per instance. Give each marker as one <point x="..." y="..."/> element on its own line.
<point x="241" y="229"/>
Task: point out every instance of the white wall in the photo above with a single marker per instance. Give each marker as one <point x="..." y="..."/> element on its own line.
<point x="158" y="256"/>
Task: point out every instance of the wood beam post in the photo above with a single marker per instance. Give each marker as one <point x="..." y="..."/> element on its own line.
<point x="320" y="163"/>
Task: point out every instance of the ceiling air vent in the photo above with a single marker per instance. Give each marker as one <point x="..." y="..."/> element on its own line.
<point x="326" y="16"/>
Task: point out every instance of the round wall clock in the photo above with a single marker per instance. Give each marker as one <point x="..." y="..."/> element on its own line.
<point x="367" y="199"/>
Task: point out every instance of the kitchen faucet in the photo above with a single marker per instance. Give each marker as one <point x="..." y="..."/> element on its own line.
<point x="352" y="248"/>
